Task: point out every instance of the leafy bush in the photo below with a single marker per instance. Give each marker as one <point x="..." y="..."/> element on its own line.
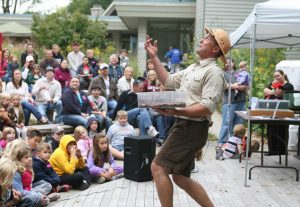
<point x="63" y="28"/>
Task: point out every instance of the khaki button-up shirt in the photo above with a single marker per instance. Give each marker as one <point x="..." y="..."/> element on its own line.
<point x="203" y="83"/>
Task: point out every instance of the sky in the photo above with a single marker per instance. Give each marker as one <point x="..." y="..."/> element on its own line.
<point x="46" y="6"/>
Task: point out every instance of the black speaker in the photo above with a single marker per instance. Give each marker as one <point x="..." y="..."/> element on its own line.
<point x="139" y="152"/>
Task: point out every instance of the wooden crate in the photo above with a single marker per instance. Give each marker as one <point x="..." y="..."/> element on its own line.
<point x="270" y="112"/>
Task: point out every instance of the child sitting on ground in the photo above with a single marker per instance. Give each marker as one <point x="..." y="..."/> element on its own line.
<point x="20" y="153"/>
<point x="54" y="138"/>
<point x="98" y="156"/>
<point x="117" y="132"/>
<point x="8" y="135"/>
<point x="34" y="138"/>
<point x="233" y="147"/>
<point x="84" y="143"/>
<point x="69" y="164"/>
<point x="9" y="196"/>
<point x="42" y="168"/>
<point x="93" y="127"/>
<point x="17" y="118"/>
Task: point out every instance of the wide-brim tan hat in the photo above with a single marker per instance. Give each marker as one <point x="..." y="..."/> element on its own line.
<point x="222" y="39"/>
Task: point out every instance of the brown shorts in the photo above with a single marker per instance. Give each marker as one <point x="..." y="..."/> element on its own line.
<point x="185" y="138"/>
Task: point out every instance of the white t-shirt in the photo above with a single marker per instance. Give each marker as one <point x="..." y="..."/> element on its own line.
<point x="106" y="81"/>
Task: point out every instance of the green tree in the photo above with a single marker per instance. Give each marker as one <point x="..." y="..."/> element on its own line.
<point x="83" y="6"/>
<point x="63" y="28"/>
<point x="7" y="5"/>
<point x="264" y="66"/>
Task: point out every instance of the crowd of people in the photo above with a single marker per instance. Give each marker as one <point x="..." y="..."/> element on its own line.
<point x="232" y="130"/>
<point x="89" y="94"/>
<point x="99" y="99"/>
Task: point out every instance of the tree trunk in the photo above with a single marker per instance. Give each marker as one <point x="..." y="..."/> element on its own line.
<point x="15" y="7"/>
<point x="7" y="7"/>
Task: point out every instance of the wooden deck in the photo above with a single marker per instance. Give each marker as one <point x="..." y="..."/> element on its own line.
<point x="223" y="180"/>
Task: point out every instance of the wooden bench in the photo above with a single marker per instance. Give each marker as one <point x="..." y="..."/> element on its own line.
<point x="46" y="129"/>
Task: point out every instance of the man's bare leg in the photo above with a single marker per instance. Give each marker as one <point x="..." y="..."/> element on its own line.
<point x="194" y="189"/>
<point x="163" y="185"/>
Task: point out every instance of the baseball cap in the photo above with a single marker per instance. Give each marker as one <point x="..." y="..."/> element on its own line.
<point x="57" y="129"/>
<point x="29" y="58"/>
<point x="75" y="43"/>
<point x="138" y="80"/>
<point x="222" y="39"/>
<point x="49" y="68"/>
<point x="103" y="65"/>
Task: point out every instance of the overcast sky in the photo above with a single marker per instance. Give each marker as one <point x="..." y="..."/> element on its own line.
<point x="46" y="6"/>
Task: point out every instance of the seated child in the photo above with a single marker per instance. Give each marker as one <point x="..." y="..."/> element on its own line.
<point x="99" y="107"/>
<point x="42" y="168"/>
<point x="54" y="138"/>
<point x="84" y="143"/>
<point x="117" y="132"/>
<point x="4" y="105"/>
<point x="69" y="164"/>
<point x="98" y="156"/>
<point x="233" y="148"/>
<point x="33" y="76"/>
<point x="17" y="118"/>
<point x="20" y="153"/>
<point x="9" y="196"/>
<point x="93" y="127"/>
<point x="8" y="135"/>
<point x="34" y="138"/>
<point x="85" y="72"/>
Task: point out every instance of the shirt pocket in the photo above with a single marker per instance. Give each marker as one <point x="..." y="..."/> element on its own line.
<point x="195" y="84"/>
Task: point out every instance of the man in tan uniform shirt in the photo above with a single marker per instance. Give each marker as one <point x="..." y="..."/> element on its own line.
<point x="204" y="83"/>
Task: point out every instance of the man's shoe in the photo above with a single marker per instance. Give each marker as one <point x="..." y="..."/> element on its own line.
<point x="152" y="132"/>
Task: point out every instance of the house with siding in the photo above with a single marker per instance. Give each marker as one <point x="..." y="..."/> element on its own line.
<point x="177" y="23"/>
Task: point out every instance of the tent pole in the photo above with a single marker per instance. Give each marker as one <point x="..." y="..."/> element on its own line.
<point x="252" y="58"/>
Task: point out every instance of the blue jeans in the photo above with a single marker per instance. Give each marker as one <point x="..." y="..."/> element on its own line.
<point x="229" y="120"/>
<point x="111" y="105"/>
<point x="159" y="122"/>
<point x="28" y="110"/>
<point x="140" y="117"/>
<point x="74" y="120"/>
<point x="103" y="121"/>
<point x="44" y="108"/>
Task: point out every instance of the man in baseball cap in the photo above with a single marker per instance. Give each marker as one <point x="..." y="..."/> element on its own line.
<point x="29" y="58"/>
<point x="103" y="66"/>
<point x="203" y="83"/>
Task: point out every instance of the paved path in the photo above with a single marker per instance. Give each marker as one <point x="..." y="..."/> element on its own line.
<point x="217" y="119"/>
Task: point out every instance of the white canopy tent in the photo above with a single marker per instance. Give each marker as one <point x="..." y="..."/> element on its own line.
<point x="276" y="26"/>
<point x="271" y="24"/>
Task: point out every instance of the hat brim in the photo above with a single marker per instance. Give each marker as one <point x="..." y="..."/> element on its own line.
<point x="222" y="57"/>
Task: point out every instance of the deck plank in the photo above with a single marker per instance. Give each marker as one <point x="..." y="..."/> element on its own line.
<point x="223" y="181"/>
